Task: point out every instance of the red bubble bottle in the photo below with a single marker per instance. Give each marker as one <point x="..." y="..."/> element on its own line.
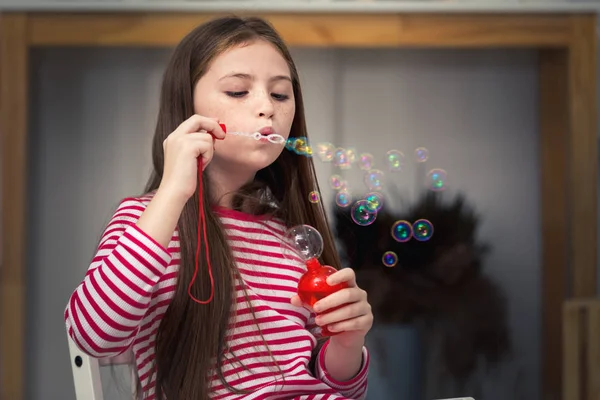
<point x="306" y="242"/>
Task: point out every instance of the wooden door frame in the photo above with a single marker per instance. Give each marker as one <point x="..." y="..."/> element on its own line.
<point x="567" y="123"/>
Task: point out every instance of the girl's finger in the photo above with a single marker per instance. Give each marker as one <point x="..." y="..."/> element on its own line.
<point x="344" y="275"/>
<point x="347" y="295"/>
<point x="362" y="323"/>
<point x="343" y="313"/>
<point x="197" y="123"/>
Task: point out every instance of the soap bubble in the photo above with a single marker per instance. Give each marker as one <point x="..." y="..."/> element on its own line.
<point x="314" y="196"/>
<point x="340" y="158"/>
<point x="325" y="151"/>
<point x="301" y="145"/>
<point x="437" y="180"/>
<point x="421" y="154"/>
<point x="423" y="230"/>
<point x="289" y="144"/>
<point x="343" y="198"/>
<point x="302" y="241"/>
<point x="374" y="201"/>
<point x="374" y="179"/>
<point x="335" y="182"/>
<point x="351" y="154"/>
<point x="395" y="160"/>
<point x="402" y="231"/>
<point x="389" y="259"/>
<point x="365" y="161"/>
<point x="361" y="215"/>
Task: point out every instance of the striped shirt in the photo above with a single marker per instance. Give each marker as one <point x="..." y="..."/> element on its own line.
<point x="131" y="280"/>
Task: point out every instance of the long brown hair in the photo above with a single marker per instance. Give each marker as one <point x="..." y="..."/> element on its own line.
<point x="190" y="336"/>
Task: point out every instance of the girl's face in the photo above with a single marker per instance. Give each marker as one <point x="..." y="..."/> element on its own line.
<point x="248" y="88"/>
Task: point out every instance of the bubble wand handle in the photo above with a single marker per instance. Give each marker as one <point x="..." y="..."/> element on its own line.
<point x="307" y="243"/>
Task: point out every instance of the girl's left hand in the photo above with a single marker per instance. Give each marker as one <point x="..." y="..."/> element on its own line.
<point x="353" y="319"/>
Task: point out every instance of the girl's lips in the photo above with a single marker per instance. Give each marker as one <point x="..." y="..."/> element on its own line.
<point x="266" y="131"/>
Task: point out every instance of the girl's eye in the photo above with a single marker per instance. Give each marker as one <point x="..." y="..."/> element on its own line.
<point x="280" y="97"/>
<point x="236" y="94"/>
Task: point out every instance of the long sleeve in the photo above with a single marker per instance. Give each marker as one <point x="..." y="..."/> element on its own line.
<point x="355" y="388"/>
<point x="104" y="312"/>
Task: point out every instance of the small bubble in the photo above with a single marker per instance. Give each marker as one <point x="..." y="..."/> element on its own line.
<point x="300" y="146"/>
<point x="374" y="201"/>
<point x="421" y="154"/>
<point x="437" y="180"/>
<point x="290" y="143"/>
<point x="361" y="215"/>
<point x="365" y="161"/>
<point x="314" y="197"/>
<point x="423" y="230"/>
<point x="335" y="182"/>
<point x="340" y="158"/>
<point x="351" y="154"/>
<point x="402" y="231"/>
<point x="395" y="160"/>
<point x="389" y="259"/>
<point x="325" y="151"/>
<point x="374" y="180"/>
<point x="343" y="198"/>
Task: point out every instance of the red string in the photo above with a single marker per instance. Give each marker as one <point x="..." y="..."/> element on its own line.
<point x="202" y="224"/>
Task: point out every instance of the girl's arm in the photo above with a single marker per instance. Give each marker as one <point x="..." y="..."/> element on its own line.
<point x="104" y="312"/>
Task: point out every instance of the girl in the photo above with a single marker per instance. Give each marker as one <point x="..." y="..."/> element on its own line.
<point x="224" y="323"/>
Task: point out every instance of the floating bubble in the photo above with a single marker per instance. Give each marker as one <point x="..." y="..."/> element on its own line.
<point x="374" y="201"/>
<point x="290" y="143"/>
<point x="365" y="161"/>
<point x="389" y="259"/>
<point x="301" y="145"/>
<point x="421" y="154"/>
<point x="308" y="152"/>
<point x="351" y="154"/>
<point x="402" y="231"/>
<point x="340" y="158"/>
<point x="374" y="180"/>
<point x="325" y="151"/>
<point x="361" y="214"/>
<point x="437" y="180"/>
<point x="343" y="185"/>
<point x="423" y="230"/>
<point x="395" y="160"/>
<point x="314" y="197"/>
<point x="335" y="182"/>
<point x="343" y="198"/>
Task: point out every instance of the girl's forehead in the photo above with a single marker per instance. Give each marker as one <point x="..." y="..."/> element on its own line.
<point x="257" y="56"/>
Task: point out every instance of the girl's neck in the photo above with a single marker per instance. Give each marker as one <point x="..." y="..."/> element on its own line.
<point x="225" y="184"/>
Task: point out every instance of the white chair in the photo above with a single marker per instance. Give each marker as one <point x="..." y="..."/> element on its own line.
<point x="86" y="372"/>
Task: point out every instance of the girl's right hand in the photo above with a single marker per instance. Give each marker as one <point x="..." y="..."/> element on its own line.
<point x="182" y="148"/>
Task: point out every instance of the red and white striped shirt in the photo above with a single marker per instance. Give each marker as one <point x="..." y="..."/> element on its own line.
<point x="132" y="280"/>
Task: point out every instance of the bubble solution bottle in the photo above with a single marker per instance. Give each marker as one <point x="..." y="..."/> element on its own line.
<point x="306" y="242"/>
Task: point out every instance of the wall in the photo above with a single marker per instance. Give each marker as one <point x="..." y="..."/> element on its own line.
<point x="93" y="117"/>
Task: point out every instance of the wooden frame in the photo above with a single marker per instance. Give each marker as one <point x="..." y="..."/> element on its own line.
<point x="567" y="119"/>
<point x="581" y="350"/>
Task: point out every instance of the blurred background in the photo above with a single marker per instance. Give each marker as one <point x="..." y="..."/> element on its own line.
<point x="459" y="314"/>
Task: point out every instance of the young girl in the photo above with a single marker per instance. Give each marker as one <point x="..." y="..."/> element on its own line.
<point x="225" y="323"/>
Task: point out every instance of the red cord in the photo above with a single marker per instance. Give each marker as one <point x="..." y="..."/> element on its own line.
<point x="202" y="223"/>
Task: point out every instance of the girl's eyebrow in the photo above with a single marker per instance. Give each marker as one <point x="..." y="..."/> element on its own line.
<point x="250" y="77"/>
